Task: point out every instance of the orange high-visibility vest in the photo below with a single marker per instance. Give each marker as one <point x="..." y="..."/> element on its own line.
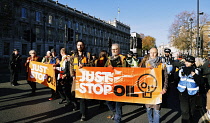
<point x="83" y="61"/>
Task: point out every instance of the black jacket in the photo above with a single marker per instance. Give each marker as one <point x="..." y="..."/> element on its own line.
<point x="15" y="62"/>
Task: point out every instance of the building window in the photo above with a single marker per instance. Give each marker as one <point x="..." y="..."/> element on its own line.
<point x="24" y="49"/>
<point x="95" y="41"/>
<point x="60" y="23"/>
<point x="39" y="47"/>
<point x="24" y="13"/>
<point x="100" y="42"/>
<point x="38" y="33"/>
<point x="49" y="32"/>
<point x="38" y="16"/>
<point x="95" y="31"/>
<point x="60" y="35"/>
<point x="87" y="30"/>
<point x="50" y="19"/>
<point x="77" y="37"/>
<point x="84" y="28"/>
<point x="102" y="33"/>
<point x="69" y="24"/>
<point x="6" y="48"/>
<point x="50" y="35"/>
<point x="77" y="26"/>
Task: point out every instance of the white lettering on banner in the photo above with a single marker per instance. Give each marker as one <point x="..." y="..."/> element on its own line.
<point x="38" y="68"/>
<point x="38" y="75"/>
<point x="90" y="76"/>
<point x="96" y="88"/>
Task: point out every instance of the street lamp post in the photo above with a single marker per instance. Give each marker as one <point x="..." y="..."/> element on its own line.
<point x="191" y="21"/>
<point x="197" y="27"/>
<point x="198" y="33"/>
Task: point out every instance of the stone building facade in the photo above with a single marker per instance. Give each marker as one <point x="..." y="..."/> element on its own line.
<point x="45" y="24"/>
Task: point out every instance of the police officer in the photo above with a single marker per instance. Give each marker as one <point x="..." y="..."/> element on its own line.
<point x="167" y="58"/>
<point x="14" y="66"/>
<point x="129" y="59"/>
<point x="132" y="59"/>
<point x="188" y="87"/>
<point x="171" y="66"/>
<point x="136" y="60"/>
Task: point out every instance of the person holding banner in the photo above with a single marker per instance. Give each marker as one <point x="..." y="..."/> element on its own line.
<point x="46" y="59"/>
<point x="100" y="62"/>
<point x="32" y="57"/>
<point x="115" y="61"/>
<point x="78" y="60"/>
<point x="155" y="62"/>
<point x="55" y="61"/>
<point x="64" y="79"/>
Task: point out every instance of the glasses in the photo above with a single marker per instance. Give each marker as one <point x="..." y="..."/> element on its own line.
<point x="32" y="53"/>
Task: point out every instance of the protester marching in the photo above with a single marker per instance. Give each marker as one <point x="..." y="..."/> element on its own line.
<point x="118" y="79"/>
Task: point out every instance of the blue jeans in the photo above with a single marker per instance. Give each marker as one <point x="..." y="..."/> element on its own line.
<point x="116" y="108"/>
<point x="156" y="115"/>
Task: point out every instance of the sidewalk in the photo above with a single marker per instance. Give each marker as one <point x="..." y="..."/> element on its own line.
<point x="5" y="73"/>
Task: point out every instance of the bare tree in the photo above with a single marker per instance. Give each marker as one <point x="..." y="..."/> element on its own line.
<point x="180" y="31"/>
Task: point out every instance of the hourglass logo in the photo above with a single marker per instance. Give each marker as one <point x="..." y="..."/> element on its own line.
<point x="147" y="83"/>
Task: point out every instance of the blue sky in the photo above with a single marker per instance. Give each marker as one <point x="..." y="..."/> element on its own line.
<point x="150" y="17"/>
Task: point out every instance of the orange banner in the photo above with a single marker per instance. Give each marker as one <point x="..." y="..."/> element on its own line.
<point x="42" y="73"/>
<point x="135" y="85"/>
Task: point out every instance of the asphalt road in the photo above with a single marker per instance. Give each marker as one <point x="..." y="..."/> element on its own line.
<point x="17" y="107"/>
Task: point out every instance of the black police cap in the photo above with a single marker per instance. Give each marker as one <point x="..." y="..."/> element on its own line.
<point x="167" y="50"/>
<point x="190" y="59"/>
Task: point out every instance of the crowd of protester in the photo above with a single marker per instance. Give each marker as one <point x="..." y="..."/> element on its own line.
<point x="190" y="75"/>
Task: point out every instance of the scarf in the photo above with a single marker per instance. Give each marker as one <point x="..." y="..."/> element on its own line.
<point x="154" y="62"/>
